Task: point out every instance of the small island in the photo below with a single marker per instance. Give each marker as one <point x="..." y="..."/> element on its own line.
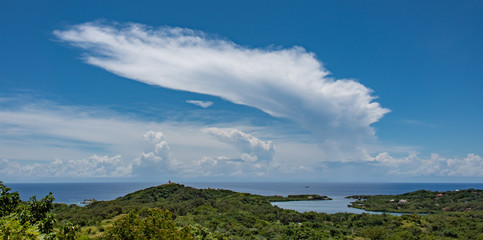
<point x="422" y="201"/>
<point x="302" y="197"/>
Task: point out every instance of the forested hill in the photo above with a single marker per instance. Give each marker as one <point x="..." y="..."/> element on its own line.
<point x="174" y="193"/>
<point x="181" y="201"/>
<point x="422" y="201"/>
<point x="178" y="193"/>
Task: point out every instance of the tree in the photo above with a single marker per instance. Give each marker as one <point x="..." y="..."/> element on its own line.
<point x="149" y="224"/>
<point x="27" y="220"/>
<point x="8" y="201"/>
<point x="39" y="213"/>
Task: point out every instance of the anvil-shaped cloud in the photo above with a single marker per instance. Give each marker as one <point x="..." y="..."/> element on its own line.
<point x="289" y="83"/>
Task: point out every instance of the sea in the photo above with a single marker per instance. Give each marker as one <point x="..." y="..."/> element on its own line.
<point x="76" y="193"/>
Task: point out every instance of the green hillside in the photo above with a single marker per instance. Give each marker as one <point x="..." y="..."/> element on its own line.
<point x="422" y="201"/>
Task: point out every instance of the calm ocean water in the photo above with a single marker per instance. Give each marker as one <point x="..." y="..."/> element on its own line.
<point x="74" y="193"/>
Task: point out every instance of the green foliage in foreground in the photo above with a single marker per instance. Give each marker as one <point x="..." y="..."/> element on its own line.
<point x="422" y="201"/>
<point x="27" y="220"/>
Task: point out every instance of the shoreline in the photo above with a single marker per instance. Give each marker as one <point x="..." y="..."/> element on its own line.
<point x="74" y="193"/>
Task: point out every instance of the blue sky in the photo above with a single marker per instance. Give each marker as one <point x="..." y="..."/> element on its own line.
<point x="241" y="91"/>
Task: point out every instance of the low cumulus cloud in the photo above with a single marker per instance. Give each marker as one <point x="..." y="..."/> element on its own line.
<point x="203" y="104"/>
<point x="435" y="165"/>
<point x="218" y="166"/>
<point x="156" y="159"/>
<point x="70" y="133"/>
<point x="49" y="130"/>
<point x="255" y="156"/>
<point x="289" y="83"/>
<point x="94" y="166"/>
<point x="252" y="148"/>
<point x="80" y="142"/>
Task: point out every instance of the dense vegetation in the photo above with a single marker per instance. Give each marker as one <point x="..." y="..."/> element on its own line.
<point x="422" y="201"/>
<point x="29" y="220"/>
<point x="173" y="211"/>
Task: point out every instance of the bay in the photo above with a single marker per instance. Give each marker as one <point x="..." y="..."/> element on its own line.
<point x="336" y="191"/>
<point x="75" y="193"/>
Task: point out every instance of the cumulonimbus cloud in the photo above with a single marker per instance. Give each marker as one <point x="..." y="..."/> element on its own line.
<point x="289" y="83"/>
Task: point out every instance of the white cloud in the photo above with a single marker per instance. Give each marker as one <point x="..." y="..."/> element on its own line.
<point x="228" y="166"/>
<point x="254" y="155"/>
<point x="252" y="148"/>
<point x="255" y="158"/>
<point x="46" y="130"/>
<point x="94" y="166"/>
<point x="203" y="104"/>
<point x="53" y="131"/>
<point x="156" y="159"/>
<point x="472" y="165"/>
<point x="217" y="166"/>
<point x="69" y="141"/>
<point x="289" y="83"/>
<point x="435" y="165"/>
